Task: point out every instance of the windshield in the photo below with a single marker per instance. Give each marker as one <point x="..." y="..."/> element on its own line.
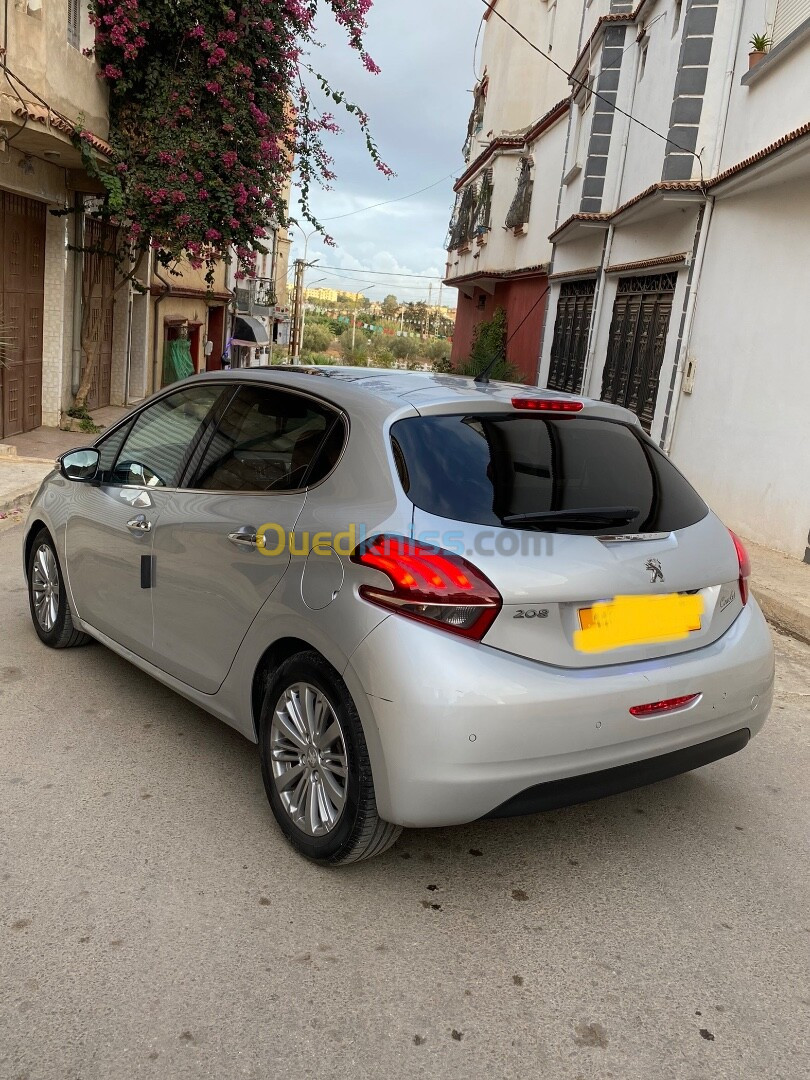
<point x="486" y="469"/>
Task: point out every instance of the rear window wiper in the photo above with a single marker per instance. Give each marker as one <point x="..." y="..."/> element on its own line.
<point x="585" y="515"/>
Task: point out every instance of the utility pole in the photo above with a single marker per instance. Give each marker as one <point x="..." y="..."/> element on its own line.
<point x="298" y="298"/>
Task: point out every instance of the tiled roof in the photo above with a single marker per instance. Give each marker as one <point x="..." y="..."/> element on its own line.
<point x="42" y="114"/>
<point x="760" y="155"/>
<point x="647" y="264"/>
<point x="586" y="271"/>
<point x="606" y="218"/>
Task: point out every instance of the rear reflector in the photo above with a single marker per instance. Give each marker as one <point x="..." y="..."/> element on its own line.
<point x="539" y="404"/>
<point x="654" y="707"/>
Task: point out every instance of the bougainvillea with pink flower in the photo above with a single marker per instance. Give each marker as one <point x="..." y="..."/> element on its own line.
<point x="208" y="112"/>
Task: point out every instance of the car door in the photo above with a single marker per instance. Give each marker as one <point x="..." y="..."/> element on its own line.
<point x="211" y="576"/>
<point x="109" y="532"/>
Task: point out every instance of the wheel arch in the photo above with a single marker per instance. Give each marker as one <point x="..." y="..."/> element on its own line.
<point x="34" y="528"/>
<point x="269" y="661"/>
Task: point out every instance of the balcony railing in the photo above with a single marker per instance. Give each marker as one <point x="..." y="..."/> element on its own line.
<point x="255" y="297"/>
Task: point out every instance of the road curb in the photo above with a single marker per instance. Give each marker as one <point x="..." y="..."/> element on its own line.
<point x="19" y="499"/>
<point x="781" y="615"/>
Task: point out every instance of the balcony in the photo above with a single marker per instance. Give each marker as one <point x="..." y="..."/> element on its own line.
<point x="255" y="297"/>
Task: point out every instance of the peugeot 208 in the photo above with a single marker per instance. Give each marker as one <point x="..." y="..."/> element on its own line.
<point x="427" y="600"/>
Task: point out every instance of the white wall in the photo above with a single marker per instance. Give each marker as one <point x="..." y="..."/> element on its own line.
<point x="742" y="435"/>
<point x="772" y="105"/>
<point x="522" y="86"/>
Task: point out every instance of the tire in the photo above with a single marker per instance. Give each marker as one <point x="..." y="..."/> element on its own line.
<point x="47" y="598"/>
<point x="315" y="765"/>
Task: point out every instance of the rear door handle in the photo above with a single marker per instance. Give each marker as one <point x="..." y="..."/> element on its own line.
<point x="139" y="524"/>
<point x="244" y="537"/>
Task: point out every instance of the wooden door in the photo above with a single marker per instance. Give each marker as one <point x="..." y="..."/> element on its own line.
<point x="22" y="302"/>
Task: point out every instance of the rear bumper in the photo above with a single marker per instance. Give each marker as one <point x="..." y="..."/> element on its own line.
<point x="457" y="730"/>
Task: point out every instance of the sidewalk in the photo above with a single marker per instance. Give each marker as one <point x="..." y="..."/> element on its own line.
<point x="781" y="584"/>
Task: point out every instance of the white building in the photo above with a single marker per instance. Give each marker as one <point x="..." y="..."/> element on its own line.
<point x="678" y="270"/>
<point x="506" y="196"/>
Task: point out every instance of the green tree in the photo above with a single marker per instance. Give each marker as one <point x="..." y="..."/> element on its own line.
<point x="317" y="338"/>
<point x="390" y="306"/>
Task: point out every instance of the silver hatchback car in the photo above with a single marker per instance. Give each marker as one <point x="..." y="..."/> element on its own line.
<point x="427" y="600"/>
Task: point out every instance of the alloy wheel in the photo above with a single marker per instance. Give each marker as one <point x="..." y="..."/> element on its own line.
<point x="308" y="756"/>
<point x="45" y="587"/>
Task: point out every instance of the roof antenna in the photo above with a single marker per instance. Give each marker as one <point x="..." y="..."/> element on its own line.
<point x="483" y="375"/>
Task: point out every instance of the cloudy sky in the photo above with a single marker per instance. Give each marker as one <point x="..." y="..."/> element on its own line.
<point x="418" y="106"/>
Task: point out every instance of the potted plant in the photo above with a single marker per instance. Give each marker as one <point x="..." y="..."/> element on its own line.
<point x="760" y="43"/>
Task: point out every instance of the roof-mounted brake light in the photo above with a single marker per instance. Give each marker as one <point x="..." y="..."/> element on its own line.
<point x="539" y="404"/>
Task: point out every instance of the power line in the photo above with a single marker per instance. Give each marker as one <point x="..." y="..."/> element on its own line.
<point x="381" y="285"/>
<point x="388" y="202"/>
<point x="380" y="273"/>
<point x="490" y="5"/>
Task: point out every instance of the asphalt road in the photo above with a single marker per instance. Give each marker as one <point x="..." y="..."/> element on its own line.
<point x="153" y="923"/>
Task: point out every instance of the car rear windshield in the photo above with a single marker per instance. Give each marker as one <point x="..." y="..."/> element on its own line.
<point x="486" y="468"/>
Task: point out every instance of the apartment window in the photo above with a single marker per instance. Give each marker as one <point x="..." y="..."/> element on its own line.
<point x="551" y="19"/>
<point x="643" y="45"/>
<point x="676" y="16"/>
<point x="582" y="132"/>
<point x="74" y="15"/>
<point x="789" y="16"/>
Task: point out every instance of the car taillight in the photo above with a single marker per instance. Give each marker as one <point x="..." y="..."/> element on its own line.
<point x="429" y="584"/>
<point x="745" y="566"/>
<point x="539" y="404"/>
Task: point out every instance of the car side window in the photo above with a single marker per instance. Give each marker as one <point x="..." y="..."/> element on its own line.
<point x="157" y="444"/>
<point x="108" y="448"/>
<point x="267" y="440"/>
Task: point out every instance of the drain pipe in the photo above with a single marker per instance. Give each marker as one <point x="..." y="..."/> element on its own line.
<point x="167" y="288"/>
<point x="78" y="267"/>
<point x="687" y="322"/>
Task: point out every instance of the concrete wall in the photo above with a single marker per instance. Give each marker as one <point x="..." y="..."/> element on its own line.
<point x="522" y="85"/>
<point x="39" y="53"/>
<point x="741" y="436"/>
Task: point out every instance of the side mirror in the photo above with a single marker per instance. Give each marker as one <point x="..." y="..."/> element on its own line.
<point x="81" y="464"/>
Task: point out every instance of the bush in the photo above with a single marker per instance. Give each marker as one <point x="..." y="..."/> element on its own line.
<point x="383" y="358"/>
<point x="489" y="343"/>
<point x="438" y="350"/>
<point x="317" y="338"/>
<point x="403" y="348"/>
<point x="358" y="355"/>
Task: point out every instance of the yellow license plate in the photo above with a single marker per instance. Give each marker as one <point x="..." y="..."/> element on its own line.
<point x="637" y="620"/>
